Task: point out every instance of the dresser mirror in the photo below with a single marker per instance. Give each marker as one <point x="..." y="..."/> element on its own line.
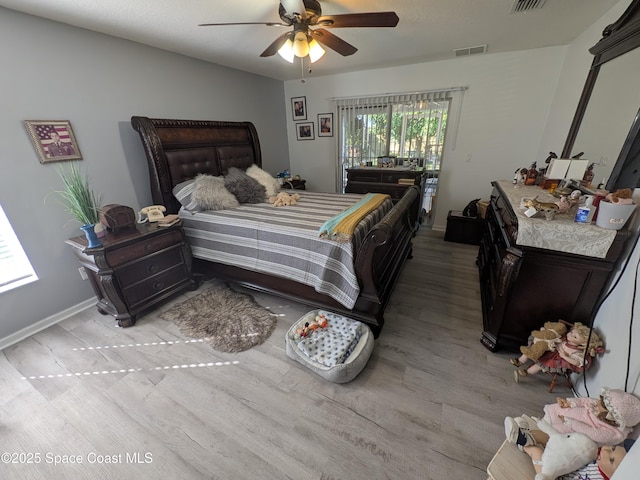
<point x="606" y="126"/>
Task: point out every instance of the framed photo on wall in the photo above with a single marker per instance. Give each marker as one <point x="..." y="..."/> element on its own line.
<point x="304" y="131"/>
<point x="53" y="140"/>
<point x="325" y="124"/>
<point x="299" y="108"/>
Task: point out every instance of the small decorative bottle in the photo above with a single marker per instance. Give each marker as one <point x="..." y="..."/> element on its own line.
<point x="532" y="175"/>
<point x="588" y="175"/>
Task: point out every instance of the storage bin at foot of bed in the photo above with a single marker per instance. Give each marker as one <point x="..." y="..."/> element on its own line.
<point x="342" y="372"/>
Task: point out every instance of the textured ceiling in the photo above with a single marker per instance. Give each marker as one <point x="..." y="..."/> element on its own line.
<point x="427" y="30"/>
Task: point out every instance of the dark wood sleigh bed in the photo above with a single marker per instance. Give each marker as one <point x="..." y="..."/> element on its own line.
<point x="178" y="150"/>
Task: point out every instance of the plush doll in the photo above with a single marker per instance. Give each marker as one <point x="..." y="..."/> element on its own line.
<point x="283" y="199"/>
<point x="607" y="420"/>
<point x="571" y="354"/>
<point x="574" y="456"/>
<point x="544" y="340"/>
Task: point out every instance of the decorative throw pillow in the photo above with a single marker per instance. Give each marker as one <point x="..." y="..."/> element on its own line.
<point x="270" y="184"/>
<point x="211" y="194"/>
<point x="183" y="193"/>
<point x="245" y="188"/>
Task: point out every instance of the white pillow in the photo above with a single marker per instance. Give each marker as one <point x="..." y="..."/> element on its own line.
<point x="270" y="184"/>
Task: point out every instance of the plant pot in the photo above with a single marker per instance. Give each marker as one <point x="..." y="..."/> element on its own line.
<point x="92" y="238"/>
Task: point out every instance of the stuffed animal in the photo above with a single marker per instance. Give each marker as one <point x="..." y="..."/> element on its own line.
<point x="622" y="196"/>
<point x="544" y="340"/>
<point x="564" y="453"/>
<point x="548" y="209"/>
<point x="310" y="327"/>
<point x="559" y="453"/>
<point x="572" y="354"/>
<point x="283" y="199"/>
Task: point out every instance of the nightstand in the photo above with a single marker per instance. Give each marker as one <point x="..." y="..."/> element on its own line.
<point x="136" y="268"/>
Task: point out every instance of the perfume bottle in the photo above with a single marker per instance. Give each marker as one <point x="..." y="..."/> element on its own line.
<point x="588" y="175"/>
<point x="532" y="175"/>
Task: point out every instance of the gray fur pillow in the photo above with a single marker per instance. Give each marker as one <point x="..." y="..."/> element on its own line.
<point x="243" y="187"/>
<point x="211" y="194"/>
<point x="270" y="184"/>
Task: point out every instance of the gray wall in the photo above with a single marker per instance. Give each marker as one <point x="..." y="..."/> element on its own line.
<point x="56" y="72"/>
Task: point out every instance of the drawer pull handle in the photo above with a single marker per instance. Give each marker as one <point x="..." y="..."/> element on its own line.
<point x="153" y="268"/>
<point x="158" y="286"/>
<point x="149" y="247"/>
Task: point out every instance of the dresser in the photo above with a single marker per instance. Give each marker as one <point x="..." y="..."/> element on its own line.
<point x="534" y="270"/>
<point x="392" y="181"/>
<point x="136" y="268"/>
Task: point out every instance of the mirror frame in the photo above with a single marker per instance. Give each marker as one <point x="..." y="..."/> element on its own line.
<point x="618" y="38"/>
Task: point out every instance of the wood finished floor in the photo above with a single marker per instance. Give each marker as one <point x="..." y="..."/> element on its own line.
<point x="430" y="403"/>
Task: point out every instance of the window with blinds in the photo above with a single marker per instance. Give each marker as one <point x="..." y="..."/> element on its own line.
<point x="408" y="129"/>
<point x="15" y="268"/>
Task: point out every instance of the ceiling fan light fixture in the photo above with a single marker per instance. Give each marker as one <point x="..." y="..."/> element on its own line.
<point x="286" y="51"/>
<point x="315" y="51"/>
<point x="300" y="45"/>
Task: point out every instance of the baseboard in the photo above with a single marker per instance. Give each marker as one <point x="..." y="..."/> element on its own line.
<point x="439" y="228"/>
<point x="45" y="323"/>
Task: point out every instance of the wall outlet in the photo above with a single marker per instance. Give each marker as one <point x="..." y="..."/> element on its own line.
<point x="83" y="273"/>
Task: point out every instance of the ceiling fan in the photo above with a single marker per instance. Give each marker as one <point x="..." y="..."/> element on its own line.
<point x="304" y="40"/>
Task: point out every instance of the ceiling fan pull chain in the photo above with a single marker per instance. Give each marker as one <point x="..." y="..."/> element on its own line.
<point x="302" y="80"/>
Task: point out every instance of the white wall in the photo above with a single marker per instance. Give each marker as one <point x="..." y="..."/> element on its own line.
<point x="57" y="72"/>
<point x="502" y="120"/>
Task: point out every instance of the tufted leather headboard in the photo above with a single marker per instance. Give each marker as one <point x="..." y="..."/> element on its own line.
<point x="178" y="150"/>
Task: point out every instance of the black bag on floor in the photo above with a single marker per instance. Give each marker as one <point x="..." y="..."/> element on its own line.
<point x="471" y="210"/>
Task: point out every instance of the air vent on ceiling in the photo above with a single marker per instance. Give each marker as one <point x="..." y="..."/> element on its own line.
<point x="526" y="5"/>
<point x="463" y="52"/>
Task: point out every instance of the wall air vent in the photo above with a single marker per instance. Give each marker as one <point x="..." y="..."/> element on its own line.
<point x="463" y="52"/>
<point x="526" y="5"/>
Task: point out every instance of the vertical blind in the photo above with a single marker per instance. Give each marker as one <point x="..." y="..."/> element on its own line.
<point x="409" y="127"/>
<point x="15" y="268"/>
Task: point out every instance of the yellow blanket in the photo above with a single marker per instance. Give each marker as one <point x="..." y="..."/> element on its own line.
<point x="342" y="226"/>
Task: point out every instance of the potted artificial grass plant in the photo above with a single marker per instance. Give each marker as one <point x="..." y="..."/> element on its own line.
<point x="80" y="201"/>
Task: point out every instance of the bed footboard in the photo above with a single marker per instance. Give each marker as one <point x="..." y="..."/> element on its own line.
<point x="383" y="253"/>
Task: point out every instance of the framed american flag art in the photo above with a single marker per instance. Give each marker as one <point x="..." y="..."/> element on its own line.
<point x="53" y="140"/>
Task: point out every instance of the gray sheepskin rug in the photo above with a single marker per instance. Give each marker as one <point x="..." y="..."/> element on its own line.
<point x="229" y="321"/>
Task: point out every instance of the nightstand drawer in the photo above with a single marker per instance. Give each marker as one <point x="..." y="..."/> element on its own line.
<point x="149" y="266"/>
<point x="143" y="292"/>
<point x="128" y="253"/>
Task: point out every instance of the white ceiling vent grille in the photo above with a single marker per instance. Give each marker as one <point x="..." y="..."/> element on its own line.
<point x="526" y="5"/>
<point x="463" y="52"/>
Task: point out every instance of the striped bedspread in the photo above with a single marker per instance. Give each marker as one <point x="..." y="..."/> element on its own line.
<point x="284" y="241"/>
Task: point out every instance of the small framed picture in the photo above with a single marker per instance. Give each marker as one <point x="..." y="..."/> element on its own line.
<point x="325" y="124"/>
<point x="304" y="131"/>
<point x="53" y="140"/>
<point x="299" y="108"/>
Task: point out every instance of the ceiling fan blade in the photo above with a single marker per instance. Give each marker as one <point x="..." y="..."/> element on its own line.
<point x="288" y="9"/>
<point x="374" y="19"/>
<point x="275" y="46"/>
<point x="269" y="24"/>
<point x="329" y="40"/>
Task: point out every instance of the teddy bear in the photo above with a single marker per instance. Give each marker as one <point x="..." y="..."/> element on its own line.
<point x="283" y="199"/>
<point x="544" y="340"/>
<point x="622" y="196"/>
